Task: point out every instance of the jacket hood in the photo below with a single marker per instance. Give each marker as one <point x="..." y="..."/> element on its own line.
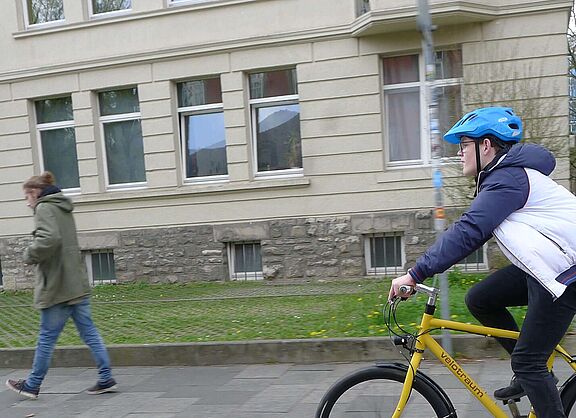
<point x="58" y="199"/>
<point x="531" y="156"/>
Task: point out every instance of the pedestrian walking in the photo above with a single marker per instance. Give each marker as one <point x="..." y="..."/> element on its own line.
<point x="62" y="289"/>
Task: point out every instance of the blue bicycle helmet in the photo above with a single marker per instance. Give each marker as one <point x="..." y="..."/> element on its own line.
<point x="500" y="122"/>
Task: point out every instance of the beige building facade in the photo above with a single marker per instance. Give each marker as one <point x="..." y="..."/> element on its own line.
<point x="250" y="139"/>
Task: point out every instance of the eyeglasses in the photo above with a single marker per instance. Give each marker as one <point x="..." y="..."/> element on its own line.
<point x="464" y="144"/>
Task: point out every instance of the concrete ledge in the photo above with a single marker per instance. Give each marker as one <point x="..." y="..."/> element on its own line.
<point x="252" y="352"/>
<point x="325" y="350"/>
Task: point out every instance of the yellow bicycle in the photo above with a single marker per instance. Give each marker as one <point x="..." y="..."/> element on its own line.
<point x="396" y="389"/>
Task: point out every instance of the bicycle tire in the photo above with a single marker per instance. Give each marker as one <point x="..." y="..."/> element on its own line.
<point x="568" y="396"/>
<point x="427" y="398"/>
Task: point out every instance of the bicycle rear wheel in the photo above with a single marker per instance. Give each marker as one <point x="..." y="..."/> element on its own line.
<point x="568" y="396"/>
<point x="374" y="392"/>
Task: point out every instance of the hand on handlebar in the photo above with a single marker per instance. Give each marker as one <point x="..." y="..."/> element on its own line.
<point x="399" y="282"/>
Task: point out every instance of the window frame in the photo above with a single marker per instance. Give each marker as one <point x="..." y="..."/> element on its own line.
<point x="379" y="271"/>
<point x="246" y="276"/>
<point x="425" y="146"/>
<point x="105" y="15"/>
<point x="289" y="99"/>
<point x="362" y="7"/>
<point x="29" y="25"/>
<point x="87" y="254"/>
<point x="121" y="117"/>
<point x="176" y="3"/>
<point x="51" y="126"/>
<point x="477" y="267"/>
<point x="183" y="113"/>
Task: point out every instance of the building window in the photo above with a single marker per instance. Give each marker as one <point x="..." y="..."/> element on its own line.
<point x="202" y="129"/>
<point x="477" y="261"/>
<point x="100" y="266"/>
<point x="44" y="11"/>
<point x="124" y="148"/>
<point x="100" y="7"/>
<point x="55" y="129"/>
<point x="276" y="122"/>
<point x="362" y="7"/>
<point x="384" y="253"/>
<point x="406" y="105"/>
<point x="245" y="261"/>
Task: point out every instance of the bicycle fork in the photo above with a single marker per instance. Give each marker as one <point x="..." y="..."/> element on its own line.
<point x="407" y="387"/>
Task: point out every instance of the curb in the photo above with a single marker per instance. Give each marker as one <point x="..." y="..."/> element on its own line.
<point x="304" y="351"/>
<point x="247" y="352"/>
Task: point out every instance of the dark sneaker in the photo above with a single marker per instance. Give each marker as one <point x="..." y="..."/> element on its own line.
<point x="19" y="386"/>
<point x="102" y="387"/>
<point x="513" y="391"/>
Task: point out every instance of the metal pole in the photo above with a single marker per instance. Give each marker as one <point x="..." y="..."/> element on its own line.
<point x="425" y="26"/>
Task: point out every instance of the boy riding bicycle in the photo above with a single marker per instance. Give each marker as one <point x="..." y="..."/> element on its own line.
<point x="533" y="220"/>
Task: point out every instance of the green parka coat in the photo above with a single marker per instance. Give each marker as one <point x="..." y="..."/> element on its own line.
<point x="60" y="273"/>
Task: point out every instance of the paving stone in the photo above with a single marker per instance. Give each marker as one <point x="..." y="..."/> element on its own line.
<point x="263" y="371"/>
<point x="240" y="391"/>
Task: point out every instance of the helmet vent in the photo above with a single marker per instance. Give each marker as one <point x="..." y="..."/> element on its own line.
<point x="468" y="119"/>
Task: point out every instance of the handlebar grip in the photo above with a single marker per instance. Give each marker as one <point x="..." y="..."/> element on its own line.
<point x="406" y="289"/>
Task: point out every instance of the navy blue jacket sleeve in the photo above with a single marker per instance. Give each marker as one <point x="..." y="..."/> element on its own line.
<point x="503" y="192"/>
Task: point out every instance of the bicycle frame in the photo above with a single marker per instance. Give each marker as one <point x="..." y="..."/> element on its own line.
<point x="426" y="341"/>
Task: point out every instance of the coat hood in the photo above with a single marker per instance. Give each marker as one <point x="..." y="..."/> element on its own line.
<point x="62" y="202"/>
<point x="531" y="156"/>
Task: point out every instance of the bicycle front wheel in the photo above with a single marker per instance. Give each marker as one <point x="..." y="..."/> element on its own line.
<point x="374" y="392"/>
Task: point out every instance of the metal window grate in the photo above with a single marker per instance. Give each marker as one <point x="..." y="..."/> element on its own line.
<point x="477" y="261"/>
<point x="384" y="253"/>
<point x="100" y="266"/>
<point x="245" y="261"/>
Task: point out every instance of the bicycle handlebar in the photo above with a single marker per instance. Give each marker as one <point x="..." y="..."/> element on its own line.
<point x="406" y="289"/>
<point x="432" y="292"/>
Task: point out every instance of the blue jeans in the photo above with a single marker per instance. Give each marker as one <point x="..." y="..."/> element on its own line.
<point x="52" y="321"/>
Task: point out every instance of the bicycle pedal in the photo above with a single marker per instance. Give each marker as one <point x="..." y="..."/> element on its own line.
<point x="514" y="398"/>
<point x="511" y="403"/>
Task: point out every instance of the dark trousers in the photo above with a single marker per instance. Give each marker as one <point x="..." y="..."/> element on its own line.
<point x="545" y="324"/>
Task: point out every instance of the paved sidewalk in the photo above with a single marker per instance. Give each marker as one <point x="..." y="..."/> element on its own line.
<point x="233" y="391"/>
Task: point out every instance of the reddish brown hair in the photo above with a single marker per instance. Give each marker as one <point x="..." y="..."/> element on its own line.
<point x="40" y="182"/>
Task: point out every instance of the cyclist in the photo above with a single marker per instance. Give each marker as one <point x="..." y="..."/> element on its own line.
<point x="533" y="220"/>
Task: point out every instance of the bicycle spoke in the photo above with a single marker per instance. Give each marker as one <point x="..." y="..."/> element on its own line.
<point x="378" y="399"/>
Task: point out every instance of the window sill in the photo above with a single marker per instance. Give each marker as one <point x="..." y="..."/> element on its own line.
<point x="126" y="187"/>
<point x="279" y="174"/>
<point x="249" y="276"/>
<point x="415" y="173"/>
<point x="192" y="190"/>
<point x="110" y="15"/>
